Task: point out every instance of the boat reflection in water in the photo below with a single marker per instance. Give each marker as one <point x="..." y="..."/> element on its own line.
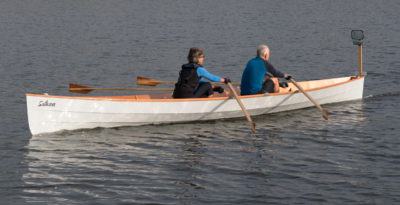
<point x="174" y="162"/>
<point x="130" y="162"/>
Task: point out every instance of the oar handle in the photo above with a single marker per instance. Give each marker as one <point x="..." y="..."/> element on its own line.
<point x="172" y="82"/>
<point x="252" y="124"/>
<point x="218" y="83"/>
<point x="324" y="112"/>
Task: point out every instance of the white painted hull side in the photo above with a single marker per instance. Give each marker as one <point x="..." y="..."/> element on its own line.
<point x="55" y="113"/>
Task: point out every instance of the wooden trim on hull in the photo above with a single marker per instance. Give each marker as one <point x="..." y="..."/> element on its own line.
<point x="166" y="97"/>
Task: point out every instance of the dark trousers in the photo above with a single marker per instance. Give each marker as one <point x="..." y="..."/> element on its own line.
<point x="268" y="87"/>
<point x="203" y="90"/>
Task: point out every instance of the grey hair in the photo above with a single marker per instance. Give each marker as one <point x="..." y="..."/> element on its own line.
<point x="195" y="54"/>
<point x="262" y="50"/>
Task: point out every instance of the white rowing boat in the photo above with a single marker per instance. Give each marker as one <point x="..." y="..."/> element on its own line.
<point x="50" y="113"/>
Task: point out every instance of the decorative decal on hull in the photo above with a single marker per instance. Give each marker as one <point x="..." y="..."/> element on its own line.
<point x="46" y="103"/>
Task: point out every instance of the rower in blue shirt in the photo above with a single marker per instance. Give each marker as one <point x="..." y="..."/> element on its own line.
<point x="255" y="78"/>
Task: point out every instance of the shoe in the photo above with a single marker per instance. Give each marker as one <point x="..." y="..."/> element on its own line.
<point x="283" y="84"/>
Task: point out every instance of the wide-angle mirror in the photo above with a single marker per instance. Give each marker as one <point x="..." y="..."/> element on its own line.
<point x="357" y="36"/>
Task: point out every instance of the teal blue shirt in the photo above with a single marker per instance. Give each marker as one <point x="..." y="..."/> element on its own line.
<point x="253" y="76"/>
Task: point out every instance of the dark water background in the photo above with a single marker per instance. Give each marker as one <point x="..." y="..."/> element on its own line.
<point x="295" y="158"/>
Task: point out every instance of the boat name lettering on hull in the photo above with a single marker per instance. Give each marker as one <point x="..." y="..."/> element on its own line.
<point x="46" y="103"/>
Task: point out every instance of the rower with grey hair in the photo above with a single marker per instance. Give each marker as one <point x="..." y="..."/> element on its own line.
<point x="260" y="76"/>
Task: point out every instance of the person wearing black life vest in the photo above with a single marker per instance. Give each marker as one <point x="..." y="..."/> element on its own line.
<point x="190" y="83"/>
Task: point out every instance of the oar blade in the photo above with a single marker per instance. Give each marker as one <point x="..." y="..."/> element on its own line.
<point x="325" y="114"/>
<point x="253" y="127"/>
<point x="75" y="88"/>
<point x="146" y="81"/>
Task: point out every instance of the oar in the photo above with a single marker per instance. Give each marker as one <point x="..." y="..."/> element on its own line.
<point x="252" y="124"/>
<point x="324" y="112"/>
<point x="153" y="82"/>
<point x="74" y="88"/>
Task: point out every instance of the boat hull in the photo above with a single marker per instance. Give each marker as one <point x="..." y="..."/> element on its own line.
<point x="48" y="113"/>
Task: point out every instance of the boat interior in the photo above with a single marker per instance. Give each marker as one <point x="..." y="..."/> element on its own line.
<point x="291" y="88"/>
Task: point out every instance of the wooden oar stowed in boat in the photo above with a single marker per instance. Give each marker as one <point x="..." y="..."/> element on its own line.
<point x="153" y="82"/>
<point x="75" y="88"/>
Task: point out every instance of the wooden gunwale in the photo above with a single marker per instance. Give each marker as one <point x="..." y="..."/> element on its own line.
<point x="134" y="98"/>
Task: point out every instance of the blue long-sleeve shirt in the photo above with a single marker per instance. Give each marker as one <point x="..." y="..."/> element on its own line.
<point x="203" y="73"/>
<point x="271" y="69"/>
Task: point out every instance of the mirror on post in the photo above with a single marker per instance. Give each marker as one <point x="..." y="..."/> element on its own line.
<point x="358" y="37"/>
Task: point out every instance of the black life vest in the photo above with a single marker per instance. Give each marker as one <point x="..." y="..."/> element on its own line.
<point x="187" y="82"/>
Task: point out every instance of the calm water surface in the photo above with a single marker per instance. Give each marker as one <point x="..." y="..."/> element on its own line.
<point x="295" y="158"/>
